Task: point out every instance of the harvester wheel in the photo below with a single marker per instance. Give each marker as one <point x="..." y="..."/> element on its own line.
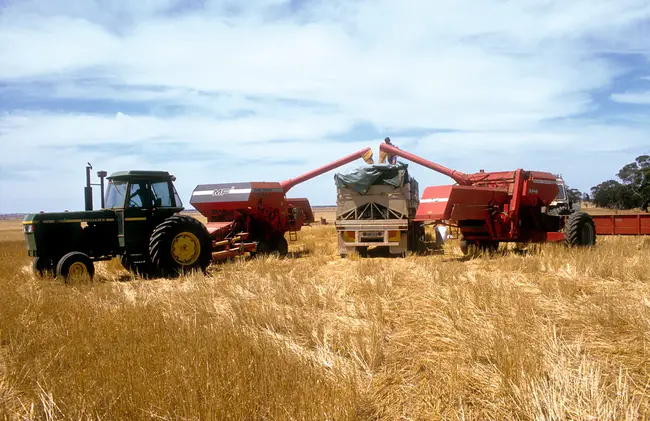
<point x="263" y="248"/>
<point x="464" y="245"/>
<point x="580" y="230"/>
<point x="281" y="245"/>
<point x="75" y="266"/>
<point x="179" y="245"/>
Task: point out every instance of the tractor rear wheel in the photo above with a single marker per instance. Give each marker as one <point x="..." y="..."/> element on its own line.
<point x="179" y="245"/>
<point x="75" y="266"/>
<point x="580" y="230"/>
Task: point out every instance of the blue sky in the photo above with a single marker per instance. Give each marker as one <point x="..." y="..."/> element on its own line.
<point x="264" y="90"/>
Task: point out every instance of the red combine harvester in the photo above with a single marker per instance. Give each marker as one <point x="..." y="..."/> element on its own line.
<point x="493" y="207"/>
<point x="254" y="216"/>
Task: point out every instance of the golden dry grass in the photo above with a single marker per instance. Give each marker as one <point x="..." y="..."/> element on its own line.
<point x="553" y="334"/>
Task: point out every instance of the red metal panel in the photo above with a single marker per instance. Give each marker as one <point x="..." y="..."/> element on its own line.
<point x="638" y="224"/>
<point x="434" y="204"/>
<point x="471" y="202"/>
<point x="457" y="203"/>
<point x="540" y="187"/>
<point x="218" y="227"/>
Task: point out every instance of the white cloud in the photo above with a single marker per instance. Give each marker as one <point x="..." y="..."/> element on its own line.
<point x="632" y="97"/>
<point x="499" y="70"/>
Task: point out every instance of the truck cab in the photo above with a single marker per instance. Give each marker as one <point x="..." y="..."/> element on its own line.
<point x="139" y="212"/>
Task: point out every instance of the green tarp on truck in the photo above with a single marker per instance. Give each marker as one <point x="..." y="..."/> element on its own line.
<point x="360" y="179"/>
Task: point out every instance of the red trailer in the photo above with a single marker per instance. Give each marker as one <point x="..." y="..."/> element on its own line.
<point x="504" y="206"/>
<point x="631" y="224"/>
<point x="254" y="216"/>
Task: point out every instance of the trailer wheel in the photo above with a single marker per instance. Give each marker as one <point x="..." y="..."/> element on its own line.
<point x="75" y="265"/>
<point x="179" y="245"/>
<point x="580" y="230"/>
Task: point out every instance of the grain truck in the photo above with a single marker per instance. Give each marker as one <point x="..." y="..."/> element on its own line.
<point x="375" y="207"/>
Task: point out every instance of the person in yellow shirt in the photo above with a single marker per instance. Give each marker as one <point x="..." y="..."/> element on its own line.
<point x="392" y="159"/>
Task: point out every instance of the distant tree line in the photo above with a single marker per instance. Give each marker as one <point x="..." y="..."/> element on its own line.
<point x="632" y="191"/>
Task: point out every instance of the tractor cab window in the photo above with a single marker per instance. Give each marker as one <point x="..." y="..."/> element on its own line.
<point x="115" y="193"/>
<point x="161" y="194"/>
<point x="139" y="195"/>
<point x="177" y="198"/>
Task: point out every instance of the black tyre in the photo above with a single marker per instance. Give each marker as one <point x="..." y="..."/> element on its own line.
<point x="179" y="245"/>
<point x="281" y="245"/>
<point x="580" y="230"/>
<point x="42" y="266"/>
<point x="143" y="270"/>
<point x="464" y="245"/>
<point x="75" y="266"/>
<point x="263" y="248"/>
<point x="363" y="251"/>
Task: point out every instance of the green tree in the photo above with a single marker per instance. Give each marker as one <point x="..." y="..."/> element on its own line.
<point x="574" y="195"/>
<point x="632" y="191"/>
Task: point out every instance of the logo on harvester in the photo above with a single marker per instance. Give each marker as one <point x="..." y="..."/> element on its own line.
<point x="533" y="191"/>
<point x="221" y="192"/>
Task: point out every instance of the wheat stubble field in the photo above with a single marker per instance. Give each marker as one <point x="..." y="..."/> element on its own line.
<point x="553" y="334"/>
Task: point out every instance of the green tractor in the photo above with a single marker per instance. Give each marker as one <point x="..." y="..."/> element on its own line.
<point x="139" y="223"/>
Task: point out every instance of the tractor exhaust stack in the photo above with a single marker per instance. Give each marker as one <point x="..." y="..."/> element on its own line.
<point x="88" y="190"/>
<point x="102" y="175"/>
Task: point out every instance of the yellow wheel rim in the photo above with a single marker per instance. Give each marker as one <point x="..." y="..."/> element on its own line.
<point x="77" y="270"/>
<point x="186" y="248"/>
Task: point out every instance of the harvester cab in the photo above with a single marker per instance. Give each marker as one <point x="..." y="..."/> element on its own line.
<point x="562" y="204"/>
<point x="139" y="222"/>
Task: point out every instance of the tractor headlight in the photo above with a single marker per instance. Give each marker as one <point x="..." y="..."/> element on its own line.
<point x="29" y="228"/>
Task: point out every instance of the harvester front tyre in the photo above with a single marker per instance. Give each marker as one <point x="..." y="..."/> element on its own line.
<point x="178" y="245"/>
<point x="75" y="266"/>
<point x="580" y="230"/>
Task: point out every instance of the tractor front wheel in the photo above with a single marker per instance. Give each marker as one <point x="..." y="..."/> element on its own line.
<point x="179" y="245"/>
<point x="580" y="230"/>
<point x="75" y="266"/>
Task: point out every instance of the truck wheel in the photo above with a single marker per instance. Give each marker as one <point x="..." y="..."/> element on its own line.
<point x="580" y="230"/>
<point x="178" y="245"/>
<point x="363" y="251"/>
<point x="75" y="265"/>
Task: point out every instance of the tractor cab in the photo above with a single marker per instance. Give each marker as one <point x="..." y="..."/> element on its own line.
<point x="141" y="201"/>
<point x="141" y="189"/>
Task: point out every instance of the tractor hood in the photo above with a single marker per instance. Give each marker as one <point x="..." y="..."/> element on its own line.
<point x="70" y="217"/>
